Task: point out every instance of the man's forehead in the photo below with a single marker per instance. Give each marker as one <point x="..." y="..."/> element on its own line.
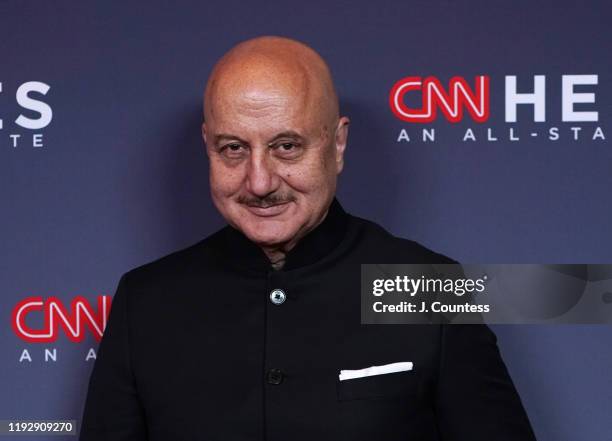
<point x="265" y="128"/>
<point x="260" y="98"/>
<point x="264" y="111"/>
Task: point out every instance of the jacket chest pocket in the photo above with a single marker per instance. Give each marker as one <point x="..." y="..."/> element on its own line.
<point x="396" y="384"/>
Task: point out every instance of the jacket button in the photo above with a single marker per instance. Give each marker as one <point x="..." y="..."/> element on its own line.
<point x="278" y="296"/>
<point x="275" y="376"/>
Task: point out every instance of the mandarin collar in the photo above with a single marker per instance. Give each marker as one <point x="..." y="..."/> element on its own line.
<point x="315" y="245"/>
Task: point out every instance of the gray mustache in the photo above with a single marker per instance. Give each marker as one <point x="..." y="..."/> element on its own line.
<point x="266" y="202"/>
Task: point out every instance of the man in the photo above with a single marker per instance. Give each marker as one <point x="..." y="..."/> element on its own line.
<point x="242" y="336"/>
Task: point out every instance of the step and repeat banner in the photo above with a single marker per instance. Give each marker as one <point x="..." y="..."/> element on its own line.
<point x="480" y="129"/>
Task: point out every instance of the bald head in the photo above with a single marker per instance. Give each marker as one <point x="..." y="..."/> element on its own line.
<point x="272" y="67"/>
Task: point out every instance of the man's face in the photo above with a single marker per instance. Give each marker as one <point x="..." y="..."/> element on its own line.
<point x="274" y="161"/>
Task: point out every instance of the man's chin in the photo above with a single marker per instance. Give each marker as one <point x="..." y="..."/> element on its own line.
<point x="268" y="228"/>
<point x="268" y="235"/>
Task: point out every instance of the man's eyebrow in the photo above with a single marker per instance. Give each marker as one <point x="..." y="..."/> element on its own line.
<point x="288" y="134"/>
<point x="226" y="136"/>
<point x="291" y="134"/>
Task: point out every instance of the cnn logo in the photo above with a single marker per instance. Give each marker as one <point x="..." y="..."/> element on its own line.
<point x="73" y="321"/>
<point x="459" y="95"/>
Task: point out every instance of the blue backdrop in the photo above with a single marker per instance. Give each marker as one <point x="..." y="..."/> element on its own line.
<point x="121" y="176"/>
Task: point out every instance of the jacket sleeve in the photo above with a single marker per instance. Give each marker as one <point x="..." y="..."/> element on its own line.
<point x="475" y="397"/>
<point x="112" y="407"/>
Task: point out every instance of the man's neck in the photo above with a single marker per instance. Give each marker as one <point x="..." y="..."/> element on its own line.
<point x="277" y="255"/>
<point x="278" y="264"/>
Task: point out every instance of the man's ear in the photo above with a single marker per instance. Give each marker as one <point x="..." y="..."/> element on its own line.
<point x="340" y="141"/>
<point x="204" y="137"/>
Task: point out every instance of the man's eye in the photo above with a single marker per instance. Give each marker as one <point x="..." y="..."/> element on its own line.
<point x="232" y="150"/>
<point x="287" y="148"/>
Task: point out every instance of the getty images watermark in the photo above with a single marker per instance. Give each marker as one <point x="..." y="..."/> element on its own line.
<point x="494" y="294"/>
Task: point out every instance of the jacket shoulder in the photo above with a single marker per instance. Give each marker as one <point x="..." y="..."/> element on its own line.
<point x="179" y="263"/>
<point x="381" y="243"/>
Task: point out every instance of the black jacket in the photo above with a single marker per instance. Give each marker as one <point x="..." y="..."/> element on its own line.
<point x="196" y="350"/>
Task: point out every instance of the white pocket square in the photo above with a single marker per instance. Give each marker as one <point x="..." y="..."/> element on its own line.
<point x="376" y="370"/>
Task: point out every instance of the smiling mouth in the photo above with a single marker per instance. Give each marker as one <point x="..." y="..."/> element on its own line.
<point x="268" y="210"/>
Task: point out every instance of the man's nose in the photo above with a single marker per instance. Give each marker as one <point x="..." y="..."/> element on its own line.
<point x="262" y="178"/>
